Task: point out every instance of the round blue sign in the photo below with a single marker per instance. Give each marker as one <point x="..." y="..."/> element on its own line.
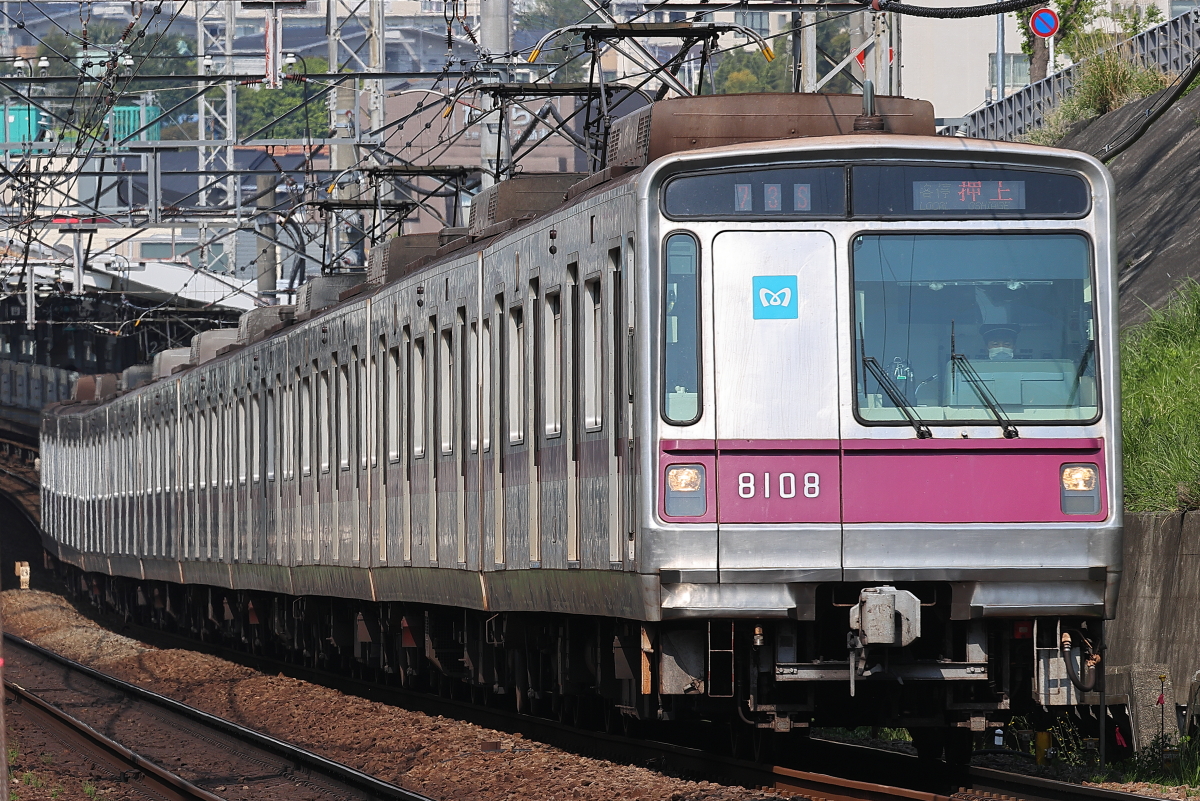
<point x="1044" y="22"/>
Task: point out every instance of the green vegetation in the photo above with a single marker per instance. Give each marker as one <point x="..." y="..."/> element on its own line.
<point x="1160" y="375"/>
<point x="1110" y="77"/>
<point x="89" y="789"/>
<point x="746" y="70"/>
<point x="257" y="106"/>
<point x="549" y="15"/>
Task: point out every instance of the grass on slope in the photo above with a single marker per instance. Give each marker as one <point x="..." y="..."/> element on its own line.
<point x="1160" y="376"/>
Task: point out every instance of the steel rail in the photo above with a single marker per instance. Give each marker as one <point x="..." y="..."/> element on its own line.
<point x="124" y="764"/>
<point x="970" y="783"/>
<point x="370" y="786"/>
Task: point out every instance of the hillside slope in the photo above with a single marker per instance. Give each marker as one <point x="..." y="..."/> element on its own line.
<point x="1158" y="200"/>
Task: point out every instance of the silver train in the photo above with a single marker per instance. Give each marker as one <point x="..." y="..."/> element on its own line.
<point x="767" y="422"/>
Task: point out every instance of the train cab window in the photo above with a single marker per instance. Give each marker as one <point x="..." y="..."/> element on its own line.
<point x="516" y="375"/>
<point x="681" y="331"/>
<point x="592" y="354"/>
<point x="954" y="328"/>
<point x="552" y="363"/>
<point x="417" y="413"/>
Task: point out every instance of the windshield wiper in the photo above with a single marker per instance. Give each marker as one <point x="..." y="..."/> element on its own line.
<point x="985" y="394"/>
<point x="1083" y="363"/>
<point x="896" y="396"/>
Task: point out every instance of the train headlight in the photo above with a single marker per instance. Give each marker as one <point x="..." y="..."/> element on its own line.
<point x="1079" y="477"/>
<point x="1080" y="489"/>
<point x="686" y="495"/>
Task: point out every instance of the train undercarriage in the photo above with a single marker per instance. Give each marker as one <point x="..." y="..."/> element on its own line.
<point x="761" y="679"/>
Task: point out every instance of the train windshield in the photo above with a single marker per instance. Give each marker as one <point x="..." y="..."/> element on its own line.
<point x="954" y="328"/>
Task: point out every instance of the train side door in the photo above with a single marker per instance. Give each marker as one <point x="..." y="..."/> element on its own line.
<point x="776" y="396"/>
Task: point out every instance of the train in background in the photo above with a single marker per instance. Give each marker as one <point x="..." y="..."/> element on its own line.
<point x="772" y="421"/>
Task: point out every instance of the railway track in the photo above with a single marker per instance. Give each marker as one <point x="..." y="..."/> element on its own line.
<point x="110" y="758"/>
<point x="846" y="772"/>
<point x="215" y="755"/>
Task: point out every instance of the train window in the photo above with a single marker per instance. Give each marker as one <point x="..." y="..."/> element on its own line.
<point x="391" y="405"/>
<point x="787" y="193"/>
<point x="954" y="328"/>
<point x="445" y="399"/>
<point x="343" y="413"/>
<point x="189" y="451"/>
<point x="922" y="191"/>
<point x="516" y="375"/>
<point x="681" y="331"/>
<point x="324" y="420"/>
<point x="255" y="425"/>
<point x="592" y="355"/>
<point x="417" y="413"/>
<point x="485" y="368"/>
<point x="306" y="422"/>
<point x="269" y="424"/>
<point x="552" y="363"/>
<point x="471" y="380"/>
<point x="202" y="441"/>
<point x="361" y="423"/>
<point x="241" y="440"/>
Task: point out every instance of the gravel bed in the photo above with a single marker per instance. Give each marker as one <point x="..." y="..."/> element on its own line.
<point x="436" y="756"/>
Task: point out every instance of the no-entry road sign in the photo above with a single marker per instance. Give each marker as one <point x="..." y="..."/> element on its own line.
<point x="1044" y="22"/>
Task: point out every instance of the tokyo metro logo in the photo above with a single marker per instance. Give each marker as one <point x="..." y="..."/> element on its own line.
<point x="775" y="297"/>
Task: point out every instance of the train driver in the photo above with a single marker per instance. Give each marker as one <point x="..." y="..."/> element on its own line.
<point x="1000" y="340"/>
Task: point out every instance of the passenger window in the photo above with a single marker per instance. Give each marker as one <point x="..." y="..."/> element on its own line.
<point x="446" y="390"/>
<point x="391" y="405"/>
<point x="485" y="367"/>
<point x="552" y="363"/>
<point x="343" y="413"/>
<point x="516" y="375"/>
<point x="270" y="425"/>
<point x="240" y="441"/>
<point x="306" y="422"/>
<point x="417" y="413"/>
<point x="591" y="355"/>
<point x="256" y="428"/>
<point x="471" y="378"/>
<point x="681" y="332"/>
<point x="324" y="419"/>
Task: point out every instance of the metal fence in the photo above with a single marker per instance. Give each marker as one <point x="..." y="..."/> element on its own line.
<point x="32" y="386"/>
<point x="1169" y="47"/>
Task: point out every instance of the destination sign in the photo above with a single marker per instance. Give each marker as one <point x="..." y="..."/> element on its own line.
<point x="969" y="195"/>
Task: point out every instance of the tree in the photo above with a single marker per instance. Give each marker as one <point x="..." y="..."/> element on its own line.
<point x="747" y="70"/>
<point x="542" y="16"/>
<point x="1074" y="17"/>
<point x="257" y="106"/>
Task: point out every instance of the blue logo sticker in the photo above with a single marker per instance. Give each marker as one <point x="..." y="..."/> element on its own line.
<point x="775" y="297"/>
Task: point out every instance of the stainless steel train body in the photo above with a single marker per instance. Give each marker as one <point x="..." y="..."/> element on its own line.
<point x="647" y="447"/>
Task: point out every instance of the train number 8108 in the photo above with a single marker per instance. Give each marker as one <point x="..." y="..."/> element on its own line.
<point x="748" y="485"/>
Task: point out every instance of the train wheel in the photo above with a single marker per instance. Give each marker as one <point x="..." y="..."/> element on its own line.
<point x="929" y="741"/>
<point x="960" y="743"/>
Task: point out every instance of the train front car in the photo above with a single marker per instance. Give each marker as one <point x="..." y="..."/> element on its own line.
<point x="885" y="431"/>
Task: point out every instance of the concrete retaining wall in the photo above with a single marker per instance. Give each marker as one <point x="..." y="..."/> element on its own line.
<point x="1158" y="614"/>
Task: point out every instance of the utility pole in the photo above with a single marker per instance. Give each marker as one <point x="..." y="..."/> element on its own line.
<point x="495" y="22"/>
<point x="1000" y="76"/>
<point x="268" y="270"/>
<point x="217" y="122"/>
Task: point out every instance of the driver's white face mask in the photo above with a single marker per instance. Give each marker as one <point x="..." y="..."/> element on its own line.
<point x="1000" y="354"/>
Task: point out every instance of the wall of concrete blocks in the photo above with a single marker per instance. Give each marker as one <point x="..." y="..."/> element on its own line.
<point x="1158" y="614"/>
